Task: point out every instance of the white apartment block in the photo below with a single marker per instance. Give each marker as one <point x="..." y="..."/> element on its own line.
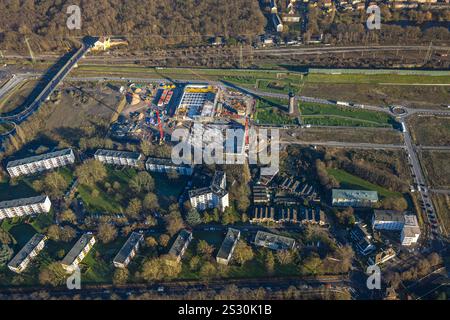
<point x="78" y="252"/>
<point x="227" y="248"/>
<point x="120" y="158"/>
<point x="40" y="163"/>
<point x="24" y="207"/>
<point x="166" y="165"/>
<point x="128" y="250"/>
<point x="20" y="262"/>
<point x="214" y="196"/>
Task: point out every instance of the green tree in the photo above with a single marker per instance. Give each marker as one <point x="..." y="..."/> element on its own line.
<point x="5" y="254"/>
<point x="269" y="261"/>
<point x="205" y="249"/>
<point x="106" y="232"/>
<point x="150" y="202"/>
<point x="285" y="257"/>
<point x="55" y="184"/>
<point x="134" y="208"/>
<point x="243" y="252"/>
<point x="160" y="268"/>
<point x="208" y="270"/>
<point x="5" y="238"/>
<point x="193" y="218"/>
<point x="143" y="181"/>
<point x="174" y="222"/>
<point x="120" y="276"/>
<point x="91" y="172"/>
<point x="53" y="275"/>
<point x="68" y="216"/>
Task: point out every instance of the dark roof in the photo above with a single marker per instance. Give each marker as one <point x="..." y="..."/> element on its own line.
<point x="281" y="242"/>
<point x="77" y="248"/>
<point x="118" y="154"/>
<point x="26" y="250"/>
<point x="231" y="237"/>
<point x="180" y="242"/>
<point x="40" y="157"/>
<point x="214" y="187"/>
<point x="22" y="202"/>
<point x="128" y="247"/>
<point x="388" y="215"/>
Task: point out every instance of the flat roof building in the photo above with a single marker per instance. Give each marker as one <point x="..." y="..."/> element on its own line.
<point x="128" y="250"/>
<point x="166" y="165"/>
<point x="180" y="245"/>
<point x="21" y="260"/>
<point x="120" y="158"/>
<point x="388" y="220"/>
<point x="40" y="163"/>
<point x="362" y="239"/>
<point x="214" y="196"/>
<point x="78" y="252"/>
<point x="229" y="243"/>
<point x="353" y="198"/>
<point x="24" y="207"/>
<point x="273" y="241"/>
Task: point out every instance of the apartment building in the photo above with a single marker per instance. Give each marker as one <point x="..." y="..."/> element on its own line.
<point x="21" y="260"/>
<point x="180" y="245"/>
<point x="214" y="196"/>
<point x="354" y="198"/>
<point x="78" y="252"/>
<point x="273" y="241"/>
<point x="120" y="158"/>
<point x="388" y="220"/>
<point x="128" y="250"/>
<point x="24" y="207"/>
<point x="40" y="163"/>
<point x="362" y="239"/>
<point x="166" y="165"/>
<point x="229" y="243"/>
<point x="301" y="214"/>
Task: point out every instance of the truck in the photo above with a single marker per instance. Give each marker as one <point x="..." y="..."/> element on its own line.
<point x="343" y="103"/>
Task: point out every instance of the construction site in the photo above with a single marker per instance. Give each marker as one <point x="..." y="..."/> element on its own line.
<point x="153" y="110"/>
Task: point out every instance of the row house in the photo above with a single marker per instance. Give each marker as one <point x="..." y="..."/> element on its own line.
<point x="25" y="207"/>
<point x="78" y="252"/>
<point x="21" y="260"/>
<point x="40" y="163"/>
<point x="120" y="158"/>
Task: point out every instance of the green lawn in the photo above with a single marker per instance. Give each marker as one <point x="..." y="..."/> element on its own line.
<point x="269" y="111"/>
<point x="378" y="78"/>
<point x="332" y="115"/>
<point x="349" y="181"/>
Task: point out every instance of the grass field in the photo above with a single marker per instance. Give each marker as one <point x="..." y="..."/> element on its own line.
<point x="349" y="181"/>
<point x="430" y="131"/>
<point x="384" y="95"/>
<point x="436" y="165"/>
<point x="268" y="111"/>
<point x="442" y="204"/>
<point x="331" y="115"/>
<point x="378" y="78"/>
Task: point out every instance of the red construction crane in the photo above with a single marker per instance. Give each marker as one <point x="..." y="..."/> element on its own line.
<point x="161" y="132"/>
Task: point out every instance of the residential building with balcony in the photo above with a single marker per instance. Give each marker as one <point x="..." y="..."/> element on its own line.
<point x="119" y="158"/>
<point x="21" y="260"/>
<point x="78" y="252"/>
<point x="227" y="248"/>
<point x="25" y="207"/>
<point x="128" y="250"/>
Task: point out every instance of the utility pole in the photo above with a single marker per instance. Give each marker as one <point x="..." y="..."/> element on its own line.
<point x="29" y="49"/>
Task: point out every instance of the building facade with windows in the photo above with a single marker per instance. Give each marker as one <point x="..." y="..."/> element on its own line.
<point x="40" y="163"/>
<point x="128" y="250"/>
<point x="119" y="158"/>
<point x="25" y="207"/>
<point x="78" y="252"/>
<point x="388" y="220"/>
<point x="214" y="196"/>
<point x="21" y="260"/>
<point x="229" y="243"/>
<point x="166" y="165"/>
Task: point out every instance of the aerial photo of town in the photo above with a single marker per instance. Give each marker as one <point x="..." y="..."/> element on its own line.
<point x="257" y="150"/>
